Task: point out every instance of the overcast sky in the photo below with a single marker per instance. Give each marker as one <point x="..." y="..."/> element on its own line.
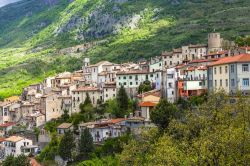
<point x="5" y="2"/>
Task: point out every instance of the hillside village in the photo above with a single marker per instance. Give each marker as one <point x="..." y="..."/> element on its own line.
<point x="191" y="70"/>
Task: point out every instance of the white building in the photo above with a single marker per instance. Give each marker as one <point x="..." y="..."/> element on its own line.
<point x="15" y="145"/>
<point x="170" y="85"/>
<point x="231" y="74"/>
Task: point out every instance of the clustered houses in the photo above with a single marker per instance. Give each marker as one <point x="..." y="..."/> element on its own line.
<point x="183" y="72"/>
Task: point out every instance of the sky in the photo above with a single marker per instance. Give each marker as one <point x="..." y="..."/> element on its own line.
<point x="6" y="2"/>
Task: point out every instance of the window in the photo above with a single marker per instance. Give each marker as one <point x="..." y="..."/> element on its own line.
<point x="245" y="82"/>
<point x="226" y="82"/>
<point x="232" y="82"/>
<point x="172" y="92"/>
<point x="136" y="77"/>
<point x="220" y="82"/>
<point x="106" y="95"/>
<point x="124" y="83"/>
<point x="136" y="83"/>
<point x="245" y="68"/>
<point x="124" y="77"/>
<point x="131" y="83"/>
<point x="220" y="70"/>
<point x="119" y="78"/>
<point x="151" y="75"/>
<point x="200" y="83"/>
<point x="160" y="64"/>
<point x="215" y="83"/>
<point x="113" y="95"/>
<point x="232" y="68"/>
<point x="215" y="70"/>
<point x="170" y="63"/>
<point x="130" y="77"/>
<point x="225" y="69"/>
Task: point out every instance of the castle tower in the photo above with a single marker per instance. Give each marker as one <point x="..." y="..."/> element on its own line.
<point x="86" y="63"/>
<point x="214" y="42"/>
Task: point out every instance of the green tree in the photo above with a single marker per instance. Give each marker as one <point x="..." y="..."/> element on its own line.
<point x="65" y="116"/>
<point x="145" y="87"/>
<point x="162" y="114"/>
<point x="66" y="146"/>
<point x="86" y="146"/>
<point x="87" y="100"/>
<point x="123" y="102"/>
<point x="20" y="160"/>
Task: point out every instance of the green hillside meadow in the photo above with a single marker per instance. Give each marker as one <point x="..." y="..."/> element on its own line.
<point x="33" y="32"/>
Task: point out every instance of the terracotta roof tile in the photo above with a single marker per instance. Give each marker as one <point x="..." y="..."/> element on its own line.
<point x="7" y="124"/>
<point x="147" y="104"/>
<point x="86" y="88"/>
<point x="14" y="139"/>
<point x="233" y="59"/>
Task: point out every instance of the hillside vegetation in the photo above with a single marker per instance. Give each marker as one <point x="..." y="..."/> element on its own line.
<point x="33" y="32"/>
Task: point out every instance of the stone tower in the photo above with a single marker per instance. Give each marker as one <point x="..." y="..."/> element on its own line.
<point x="86" y="63"/>
<point x="214" y="42"/>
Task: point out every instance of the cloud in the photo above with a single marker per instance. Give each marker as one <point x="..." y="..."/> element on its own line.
<point x="6" y="2"/>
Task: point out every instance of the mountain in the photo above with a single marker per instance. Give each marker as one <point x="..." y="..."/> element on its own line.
<point x="39" y="38"/>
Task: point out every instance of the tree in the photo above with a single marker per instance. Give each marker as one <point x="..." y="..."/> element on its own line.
<point x="66" y="146"/>
<point x="87" y="100"/>
<point x="145" y="87"/>
<point x="122" y="101"/>
<point x="162" y="114"/>
<point x="20" y="160"/>
<point x="86" y="145"/>
<point x="65" y="116"/>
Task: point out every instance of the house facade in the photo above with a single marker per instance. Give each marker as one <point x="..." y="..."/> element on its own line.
<point x="231" y="74"/>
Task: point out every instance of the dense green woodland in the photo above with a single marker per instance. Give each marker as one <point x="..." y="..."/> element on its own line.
<point x="32" y="32"/>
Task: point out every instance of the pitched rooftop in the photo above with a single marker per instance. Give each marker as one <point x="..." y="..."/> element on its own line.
<point x="233" y="59"/>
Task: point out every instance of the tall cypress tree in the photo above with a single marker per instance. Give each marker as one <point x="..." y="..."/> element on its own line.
<point x="86" y="145"/>
<point x="87" y="100"/>
<point x="122" y="101"/>
<point x="66" y="146"/>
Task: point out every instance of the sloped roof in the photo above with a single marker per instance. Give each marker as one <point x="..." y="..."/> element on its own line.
<point x="86" y="88"/>
<point x="14" y="139"/>
<point x="232" y="59"/>
<point x="147" y="104"/>
<point x="64" y="125"/>
<point x="7" y="124"/>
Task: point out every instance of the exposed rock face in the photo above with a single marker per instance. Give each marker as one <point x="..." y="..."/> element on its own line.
<point x="51" y="2"/>
<point x="99" y="22"/>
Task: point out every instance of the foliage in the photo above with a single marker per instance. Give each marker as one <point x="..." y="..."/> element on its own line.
<point x="86" y="145"/>
<point x="65" y="116"/>
<point x="66" y="146"/>
<point x="30" y="47"/>
<point x="215" y="133"/>
<point x="87" y="108"/>
<point x="107" y="161"/>
<point x="122" y="102"/>
<point x="163" y="113"/>
<point x="20" y="160"/>
<point x="243" y="41"/>
<point x="112" y="146"/>
<point x="145" y="87"/>
<point x="50" y="151"/>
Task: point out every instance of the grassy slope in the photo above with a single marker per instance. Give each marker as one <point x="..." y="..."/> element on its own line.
<point x="171" y="26"/>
